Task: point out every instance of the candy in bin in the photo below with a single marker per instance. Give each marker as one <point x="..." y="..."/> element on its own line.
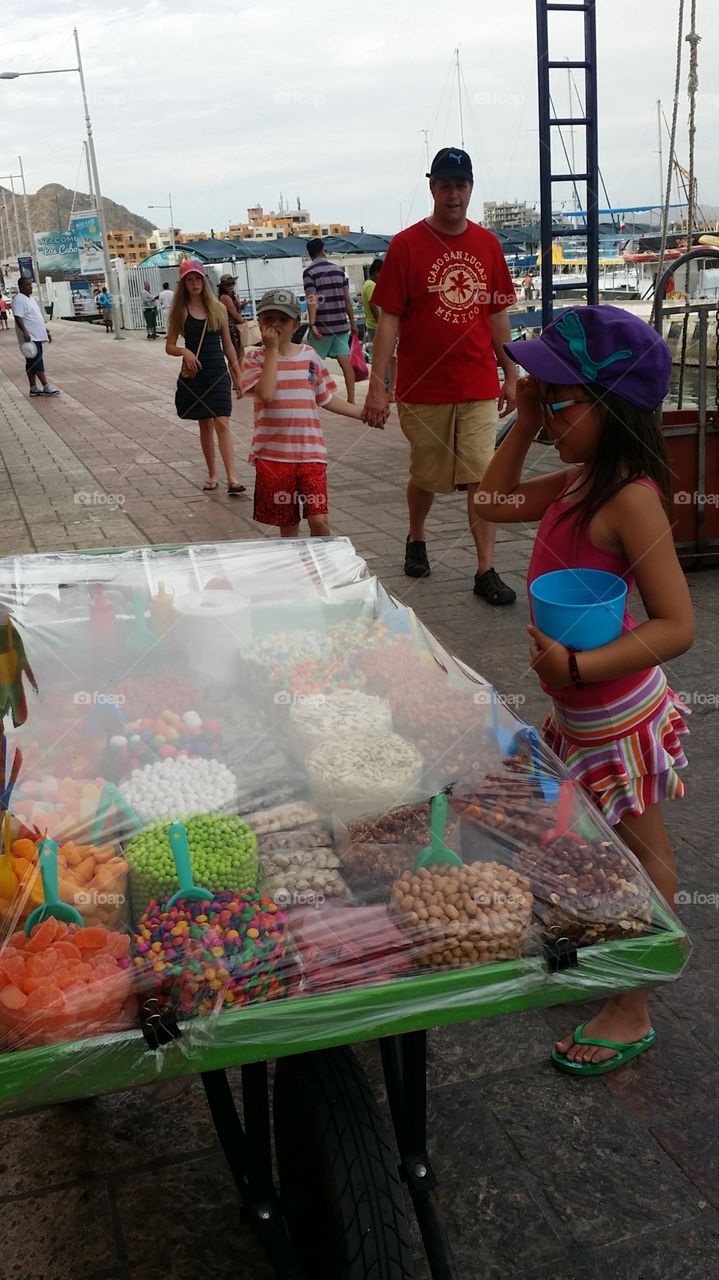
<point x="342" y="946"/>
<point x="60" y="980"/>
<point x="199" y="951"/>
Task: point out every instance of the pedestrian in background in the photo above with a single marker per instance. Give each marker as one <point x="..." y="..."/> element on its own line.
<point x="203" y="390"/>
<point x="148" y="302"/>
<point x="290" y="383"/>
<point x="445" y="289"/>
<point x="234" y="316"/>
<point x="165" y="301"/>
<point x="330" y="312"/>
<point x="32" y="336"/>
<point x="372" y="314"/>
<point x="104" y="306"/>
<point x="4" y="308"/>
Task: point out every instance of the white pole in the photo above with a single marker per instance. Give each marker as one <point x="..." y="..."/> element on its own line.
<point x="661" y="159"/>
<point x="172" y="227"/>
<point x="93" y="201"/>
<point x="426" y="156"/>
<point x="31" y="237"/>
<point x="98" y="195"/>
<point x="459" y="95"/>
<point x="14" y="209"/>
<point x="8" y="228"/>
<point x="2" y="231"/>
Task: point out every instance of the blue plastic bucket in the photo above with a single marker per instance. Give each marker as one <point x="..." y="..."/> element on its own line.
<point x="581" y="608"/>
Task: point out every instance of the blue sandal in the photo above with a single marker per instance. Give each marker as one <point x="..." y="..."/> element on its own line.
<point x="624" y="1053"/>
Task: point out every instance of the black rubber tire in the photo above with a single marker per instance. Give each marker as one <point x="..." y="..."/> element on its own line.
<point x="339" y="1183"/>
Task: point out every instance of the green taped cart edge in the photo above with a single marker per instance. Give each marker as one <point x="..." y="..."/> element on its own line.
<point x="82" y="1068"/>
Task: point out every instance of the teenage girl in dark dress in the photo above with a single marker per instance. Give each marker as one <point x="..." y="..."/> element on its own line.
<point x="205" y="396"/>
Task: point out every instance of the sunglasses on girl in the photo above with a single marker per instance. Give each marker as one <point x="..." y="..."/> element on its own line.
<point x="551" y="407"/>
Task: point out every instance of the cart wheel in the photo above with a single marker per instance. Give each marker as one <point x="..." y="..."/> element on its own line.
<point x="339" y="1182"/>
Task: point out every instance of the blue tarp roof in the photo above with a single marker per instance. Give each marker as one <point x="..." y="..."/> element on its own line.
<point x="288" y="247"/>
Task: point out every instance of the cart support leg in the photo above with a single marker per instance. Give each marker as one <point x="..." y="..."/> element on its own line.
<point x="404" y="1059"/>
<point x="248" y="1152"/>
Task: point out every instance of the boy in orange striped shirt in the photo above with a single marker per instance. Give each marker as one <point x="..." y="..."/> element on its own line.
<point x="289" y="382"/>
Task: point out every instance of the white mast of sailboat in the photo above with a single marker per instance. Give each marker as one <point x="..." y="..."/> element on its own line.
<point x="459" y="97"/>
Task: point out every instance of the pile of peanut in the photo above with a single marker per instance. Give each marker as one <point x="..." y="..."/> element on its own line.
<point x="460" y="916"/>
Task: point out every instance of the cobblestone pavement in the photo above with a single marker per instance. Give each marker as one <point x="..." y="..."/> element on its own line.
<point x="540" y="1175"/>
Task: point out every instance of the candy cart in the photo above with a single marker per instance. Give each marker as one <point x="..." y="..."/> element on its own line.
<point x="253" y="812"/>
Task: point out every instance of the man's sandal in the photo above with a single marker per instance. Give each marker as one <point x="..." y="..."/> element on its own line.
<point x="624" y="1053"/>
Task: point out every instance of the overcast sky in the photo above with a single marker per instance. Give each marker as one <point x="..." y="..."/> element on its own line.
<point x="233" y="103"/>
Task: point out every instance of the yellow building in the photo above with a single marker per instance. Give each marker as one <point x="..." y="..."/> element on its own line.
<point x="126" y="245"/>
<point x="288" y="222"/>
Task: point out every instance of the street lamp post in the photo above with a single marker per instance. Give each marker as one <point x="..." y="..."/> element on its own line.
<point x="14" y="75"/>
<point x="31" y="239"/>
<point x="172" y="220"/>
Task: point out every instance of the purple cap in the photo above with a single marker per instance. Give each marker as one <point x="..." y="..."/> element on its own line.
<point x="605" y="345"/>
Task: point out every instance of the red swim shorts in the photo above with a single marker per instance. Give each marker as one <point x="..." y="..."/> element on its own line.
<point x="287" y="491"/>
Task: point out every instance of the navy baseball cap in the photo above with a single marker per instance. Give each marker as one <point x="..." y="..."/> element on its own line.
<point x="605" y="345"/>
<point x="451" y="162"/>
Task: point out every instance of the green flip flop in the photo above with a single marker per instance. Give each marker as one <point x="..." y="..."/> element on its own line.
<point x="624" y="1053"/>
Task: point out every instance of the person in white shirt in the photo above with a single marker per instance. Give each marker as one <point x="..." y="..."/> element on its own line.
<point x="30" y="327"/>
<point x="148" y="302"/>
<point x="165" y="301"/>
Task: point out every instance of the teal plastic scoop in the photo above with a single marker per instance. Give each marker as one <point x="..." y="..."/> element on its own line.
<point x="52" y="906"/>
<point x="177" y="836"/>
<point x="437" y="851"/>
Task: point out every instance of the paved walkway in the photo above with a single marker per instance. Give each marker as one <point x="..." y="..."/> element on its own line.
<point x="541" y="1176"/>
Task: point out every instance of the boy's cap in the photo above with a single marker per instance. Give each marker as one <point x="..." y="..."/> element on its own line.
<point x="282" y="300"/>
<point x="451" y="162"/>
<point x="604" y="345"/>
<point x="190" y="265"/>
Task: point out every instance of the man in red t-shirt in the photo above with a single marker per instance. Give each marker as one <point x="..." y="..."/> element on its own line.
<point x="444" y="289"/>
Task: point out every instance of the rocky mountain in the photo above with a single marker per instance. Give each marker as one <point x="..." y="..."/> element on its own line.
<point x="50" y="210"/>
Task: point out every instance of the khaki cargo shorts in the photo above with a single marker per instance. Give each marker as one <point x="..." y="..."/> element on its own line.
<point x="450" y="444"/>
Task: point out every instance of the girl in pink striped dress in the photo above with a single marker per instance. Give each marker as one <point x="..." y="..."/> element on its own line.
<point x="598" y="376"/>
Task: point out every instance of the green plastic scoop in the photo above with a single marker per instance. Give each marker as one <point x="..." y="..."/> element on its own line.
<point x="52" y="906"/>
<point x="177" y="835"/>
<point x="437" y="851"/>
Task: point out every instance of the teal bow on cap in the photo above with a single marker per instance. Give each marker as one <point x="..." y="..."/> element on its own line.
<point x="571" y="329"/>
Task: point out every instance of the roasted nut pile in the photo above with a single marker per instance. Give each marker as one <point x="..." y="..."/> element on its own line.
<point x="300" y="877"/>
<point x="587" y="892"/>
<point x="586" y="889"/>
<point x="378" y="850"/>
<point x="460" y="916"/>
<point x="354" y="774"/>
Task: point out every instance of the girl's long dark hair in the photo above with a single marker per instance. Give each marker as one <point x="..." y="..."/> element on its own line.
<point x="631" y="445"/>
